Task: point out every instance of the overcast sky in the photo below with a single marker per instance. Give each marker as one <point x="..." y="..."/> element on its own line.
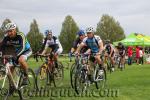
<point x="133" y="15"/>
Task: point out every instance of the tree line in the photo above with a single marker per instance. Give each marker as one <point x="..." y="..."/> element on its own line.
<point x="107" y="28"/>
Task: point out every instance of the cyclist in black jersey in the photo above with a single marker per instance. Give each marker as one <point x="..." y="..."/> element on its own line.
<point x="109" y="52"/>
<point x="121" y="50"/>
<point x="77" y="42"/>
<point x="21" y="45"/>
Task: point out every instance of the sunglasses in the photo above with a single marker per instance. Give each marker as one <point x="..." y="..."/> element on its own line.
<point x="9" y="31"/>
<point x="89" y="32"/>
<point x="81" y="35"/>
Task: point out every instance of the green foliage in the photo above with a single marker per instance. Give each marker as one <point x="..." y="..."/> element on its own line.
<point x="68" y="33"/>
<point x="34" y="36"/>
<point x="110" y="29"/>
<point x="2" y="29"/>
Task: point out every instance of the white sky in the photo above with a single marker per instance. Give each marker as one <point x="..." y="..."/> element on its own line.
<point x="133" y="15"/>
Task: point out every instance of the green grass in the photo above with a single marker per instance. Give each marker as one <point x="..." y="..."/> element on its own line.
<point x="132" y="84"/>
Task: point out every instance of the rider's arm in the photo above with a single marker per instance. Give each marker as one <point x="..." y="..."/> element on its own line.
<point x="101" y="48"/>
<point x="3" y="43"/>
<point x="100" y="43"/>
<point x="75" y="45"/>
<point x="80" y="47"/>
<point x="44" y="51"/>
<point x="83" y="43"/>
<point x="111" y="50"/>
<point x="22" y="40"/>
<point x="124" y="50"/>
<point x="43" y="45"/>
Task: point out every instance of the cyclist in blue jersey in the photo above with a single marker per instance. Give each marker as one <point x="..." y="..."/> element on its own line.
<point x="94" y="43"/>
<point x="22" y="48"/>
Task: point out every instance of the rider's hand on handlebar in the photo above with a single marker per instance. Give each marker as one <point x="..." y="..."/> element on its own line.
<point x="76" y="53"/>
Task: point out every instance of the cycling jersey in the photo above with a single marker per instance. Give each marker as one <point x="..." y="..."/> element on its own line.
<point x="92" y="43"/>
<point x="76" y="44"/>
<point x="109" y="48"/>
<point x="121" y="50"/>
<point x="54" y="44"/>
<point x="20" y="43"/>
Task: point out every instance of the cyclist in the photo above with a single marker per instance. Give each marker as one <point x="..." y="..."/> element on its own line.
<point x="22" y="46"/>
<point x="109" y="52"/>
<point x="53" y="43"/>
<point x="77" y="42"/>
<point x="95" y="44"/>
<point x="121" y="50"/>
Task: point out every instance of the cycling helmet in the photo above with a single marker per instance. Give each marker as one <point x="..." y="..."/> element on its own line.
<point x="80" y="32"/>
<point x="107" y="41"/>
<point x="48" y="32"/>
<point x="90" y="29"/>
<point x="120" y="44"/>
<point x="10" y="26"/>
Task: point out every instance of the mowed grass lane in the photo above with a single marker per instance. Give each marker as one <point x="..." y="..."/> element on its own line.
<point x="132" y="84"/>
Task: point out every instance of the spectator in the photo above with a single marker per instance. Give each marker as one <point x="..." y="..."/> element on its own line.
<point x="130" y="52"/>
<point x="137" y="54"/>
<point x="148" y="59"/>
<point x="141" y="53"/>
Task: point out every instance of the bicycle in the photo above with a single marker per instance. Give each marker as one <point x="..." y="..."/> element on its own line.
<point x="47" y="73"/>
<point x="73" y="69"/>
<point x="108" y="64"/>
<point x="120" y="65"/>
<point x="82" y="81"/>
<point x="12" y="82"/>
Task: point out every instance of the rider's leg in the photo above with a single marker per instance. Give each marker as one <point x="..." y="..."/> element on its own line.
<point x="24" y="65"/>
<point x="112" y="62"/>
<point x="55" y="59"/>
<point x="59" y="51"/>
<point x="122" y="61"/>
<point x="98" y="59"/>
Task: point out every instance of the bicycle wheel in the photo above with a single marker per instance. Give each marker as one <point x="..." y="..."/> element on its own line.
<point x="41" y="76"/>
<point x="27" y="90"/>
<point x="81" y="81"/>
<point x="7" y="81"/>
<point x="109" y="65"/>
<point x="58" y="74"/>
<point x="100" y="78"/>
<point x="72" y="74"/>
<point x="4" y="88"/>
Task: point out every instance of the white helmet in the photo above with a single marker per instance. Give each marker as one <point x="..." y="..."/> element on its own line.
<point x="10" y="26"/>
<point x="90" y="29"/>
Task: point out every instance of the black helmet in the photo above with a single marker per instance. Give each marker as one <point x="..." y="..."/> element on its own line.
<point x="107" y="41"/>
<point x="120" y="44"/>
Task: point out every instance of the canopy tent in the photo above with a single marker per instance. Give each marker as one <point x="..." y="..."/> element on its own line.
<point x="131" y="40"/>
<point x="146" y="40"/>
<point x="134" y="40"/>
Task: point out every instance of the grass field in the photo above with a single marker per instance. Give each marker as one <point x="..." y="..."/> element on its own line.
<point x="131" y="84"/>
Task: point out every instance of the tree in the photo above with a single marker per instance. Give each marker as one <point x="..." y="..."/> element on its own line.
<point x="2" y="29"/>
<point x="34" y="36"/>
<point x="68" y="33"/>
<point x="110" y="29"/>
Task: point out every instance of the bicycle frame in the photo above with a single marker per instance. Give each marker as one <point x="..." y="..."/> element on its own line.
<point x="9" y="74"/>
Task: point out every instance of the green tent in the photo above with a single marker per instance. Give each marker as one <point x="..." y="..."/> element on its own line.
<point x="145" y="39"/>
<point x="135" y="40"/>
<point x="131" y="40"/>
